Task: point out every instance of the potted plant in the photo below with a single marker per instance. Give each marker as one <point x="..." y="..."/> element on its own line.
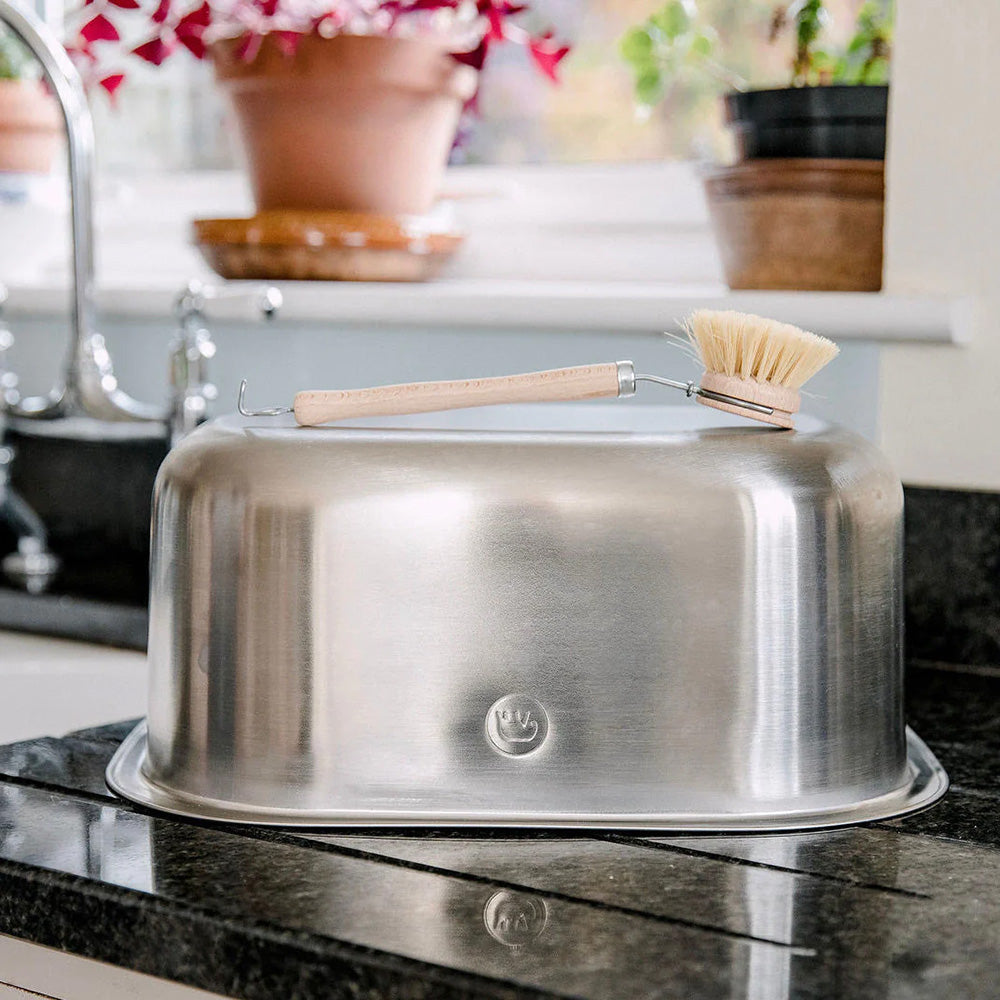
<point x="342" y="104"/>
<point x="29" y="119"/>
<point x="803" y="205"/>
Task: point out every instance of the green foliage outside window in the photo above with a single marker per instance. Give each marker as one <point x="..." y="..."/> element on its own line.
<point x="15" y="59"/>
<point x="676" y="45"/>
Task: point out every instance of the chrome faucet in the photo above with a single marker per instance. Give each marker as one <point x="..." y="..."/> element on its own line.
<point x="88" y="385"/>
<point x="31" y="566"/>
<point x="192" y="348"/>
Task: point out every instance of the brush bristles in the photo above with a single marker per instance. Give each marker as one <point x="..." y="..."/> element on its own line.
<point x="747" y="346"/>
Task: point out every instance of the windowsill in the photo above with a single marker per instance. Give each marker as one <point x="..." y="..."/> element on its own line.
<point x="613" y="306"/>
<point x="590" y="249"/>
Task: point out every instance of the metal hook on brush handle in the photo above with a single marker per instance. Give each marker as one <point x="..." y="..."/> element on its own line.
<point x="690" y="389"/>
<point x="271" y="411"/>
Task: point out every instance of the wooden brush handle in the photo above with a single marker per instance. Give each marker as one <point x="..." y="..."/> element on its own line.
<point x="313" y="407"/>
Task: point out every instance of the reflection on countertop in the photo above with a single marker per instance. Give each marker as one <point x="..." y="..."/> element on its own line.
<point x="903" y="909"/>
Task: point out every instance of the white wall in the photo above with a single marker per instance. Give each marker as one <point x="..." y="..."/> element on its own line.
<point x="940" y="406"/>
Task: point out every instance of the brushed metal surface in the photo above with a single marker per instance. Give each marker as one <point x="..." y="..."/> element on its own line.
<point x="925" y="782"/>
<point x="710" y="618"/>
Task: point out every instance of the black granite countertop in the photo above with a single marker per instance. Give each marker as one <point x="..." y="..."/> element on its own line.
<point x="909" y="908"/>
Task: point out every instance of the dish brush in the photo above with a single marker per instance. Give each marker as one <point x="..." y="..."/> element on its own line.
<point x="754" y="367"/>
<point x="755" y="360"/>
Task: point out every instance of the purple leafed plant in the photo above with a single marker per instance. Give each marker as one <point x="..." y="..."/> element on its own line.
<point x="470" y="28"/>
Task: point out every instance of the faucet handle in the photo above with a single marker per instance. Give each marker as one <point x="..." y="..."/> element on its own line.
<point x="192" y="303"/>
<point x="193" y="348"/>
<point x="8" y="379"/>
<point x="190" y="388"/>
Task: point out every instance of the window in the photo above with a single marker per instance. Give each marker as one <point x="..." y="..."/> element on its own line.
<point x="592" y="116"/>
<point x="173" y="118"/>
<point x="603" y="206"/>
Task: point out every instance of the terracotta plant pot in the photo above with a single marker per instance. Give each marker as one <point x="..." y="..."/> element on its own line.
<point x="29" y="127"/>
<point x="803" y="209"/>
<point x="353" y="122"/>
<point x="799" y="223"/>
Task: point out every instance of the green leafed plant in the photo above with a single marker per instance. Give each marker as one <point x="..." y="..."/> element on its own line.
<point x="670" y="45"/>
<point x="866" y="58"/>
<point x="675" y="45"/>
<point x="15" y="59"/>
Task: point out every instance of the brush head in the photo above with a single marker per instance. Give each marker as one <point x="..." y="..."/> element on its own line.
<point x="756" y="359"/>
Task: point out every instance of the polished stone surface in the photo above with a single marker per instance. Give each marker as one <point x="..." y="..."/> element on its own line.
<point x="952" y="555"/>
<point x="907" y="909"/>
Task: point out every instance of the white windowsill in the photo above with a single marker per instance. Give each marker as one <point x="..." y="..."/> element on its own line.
<point x="589" y="248"/>
<point x="476" y="303"/>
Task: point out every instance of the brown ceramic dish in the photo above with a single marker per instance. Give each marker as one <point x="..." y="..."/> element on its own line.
<point x="799" y="223"/>
<point x="324" y="246"/>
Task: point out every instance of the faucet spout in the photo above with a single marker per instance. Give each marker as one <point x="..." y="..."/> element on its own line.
<point x="88" y="385"/>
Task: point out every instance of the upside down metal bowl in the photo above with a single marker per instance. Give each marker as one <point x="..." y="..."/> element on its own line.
<point x="590" y="616"/>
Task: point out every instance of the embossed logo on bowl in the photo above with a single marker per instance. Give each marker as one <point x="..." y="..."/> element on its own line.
<point x="516" y="725"/>
<point x="515" y="919"/>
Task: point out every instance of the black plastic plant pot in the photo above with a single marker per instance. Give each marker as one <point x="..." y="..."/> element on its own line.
<point x="836" y="122"/>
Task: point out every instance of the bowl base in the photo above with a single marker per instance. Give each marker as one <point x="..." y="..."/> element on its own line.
<point x="926" y="782"/>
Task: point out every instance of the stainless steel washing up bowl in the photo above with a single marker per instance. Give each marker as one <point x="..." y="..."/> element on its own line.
<point x="691" y="629"/>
